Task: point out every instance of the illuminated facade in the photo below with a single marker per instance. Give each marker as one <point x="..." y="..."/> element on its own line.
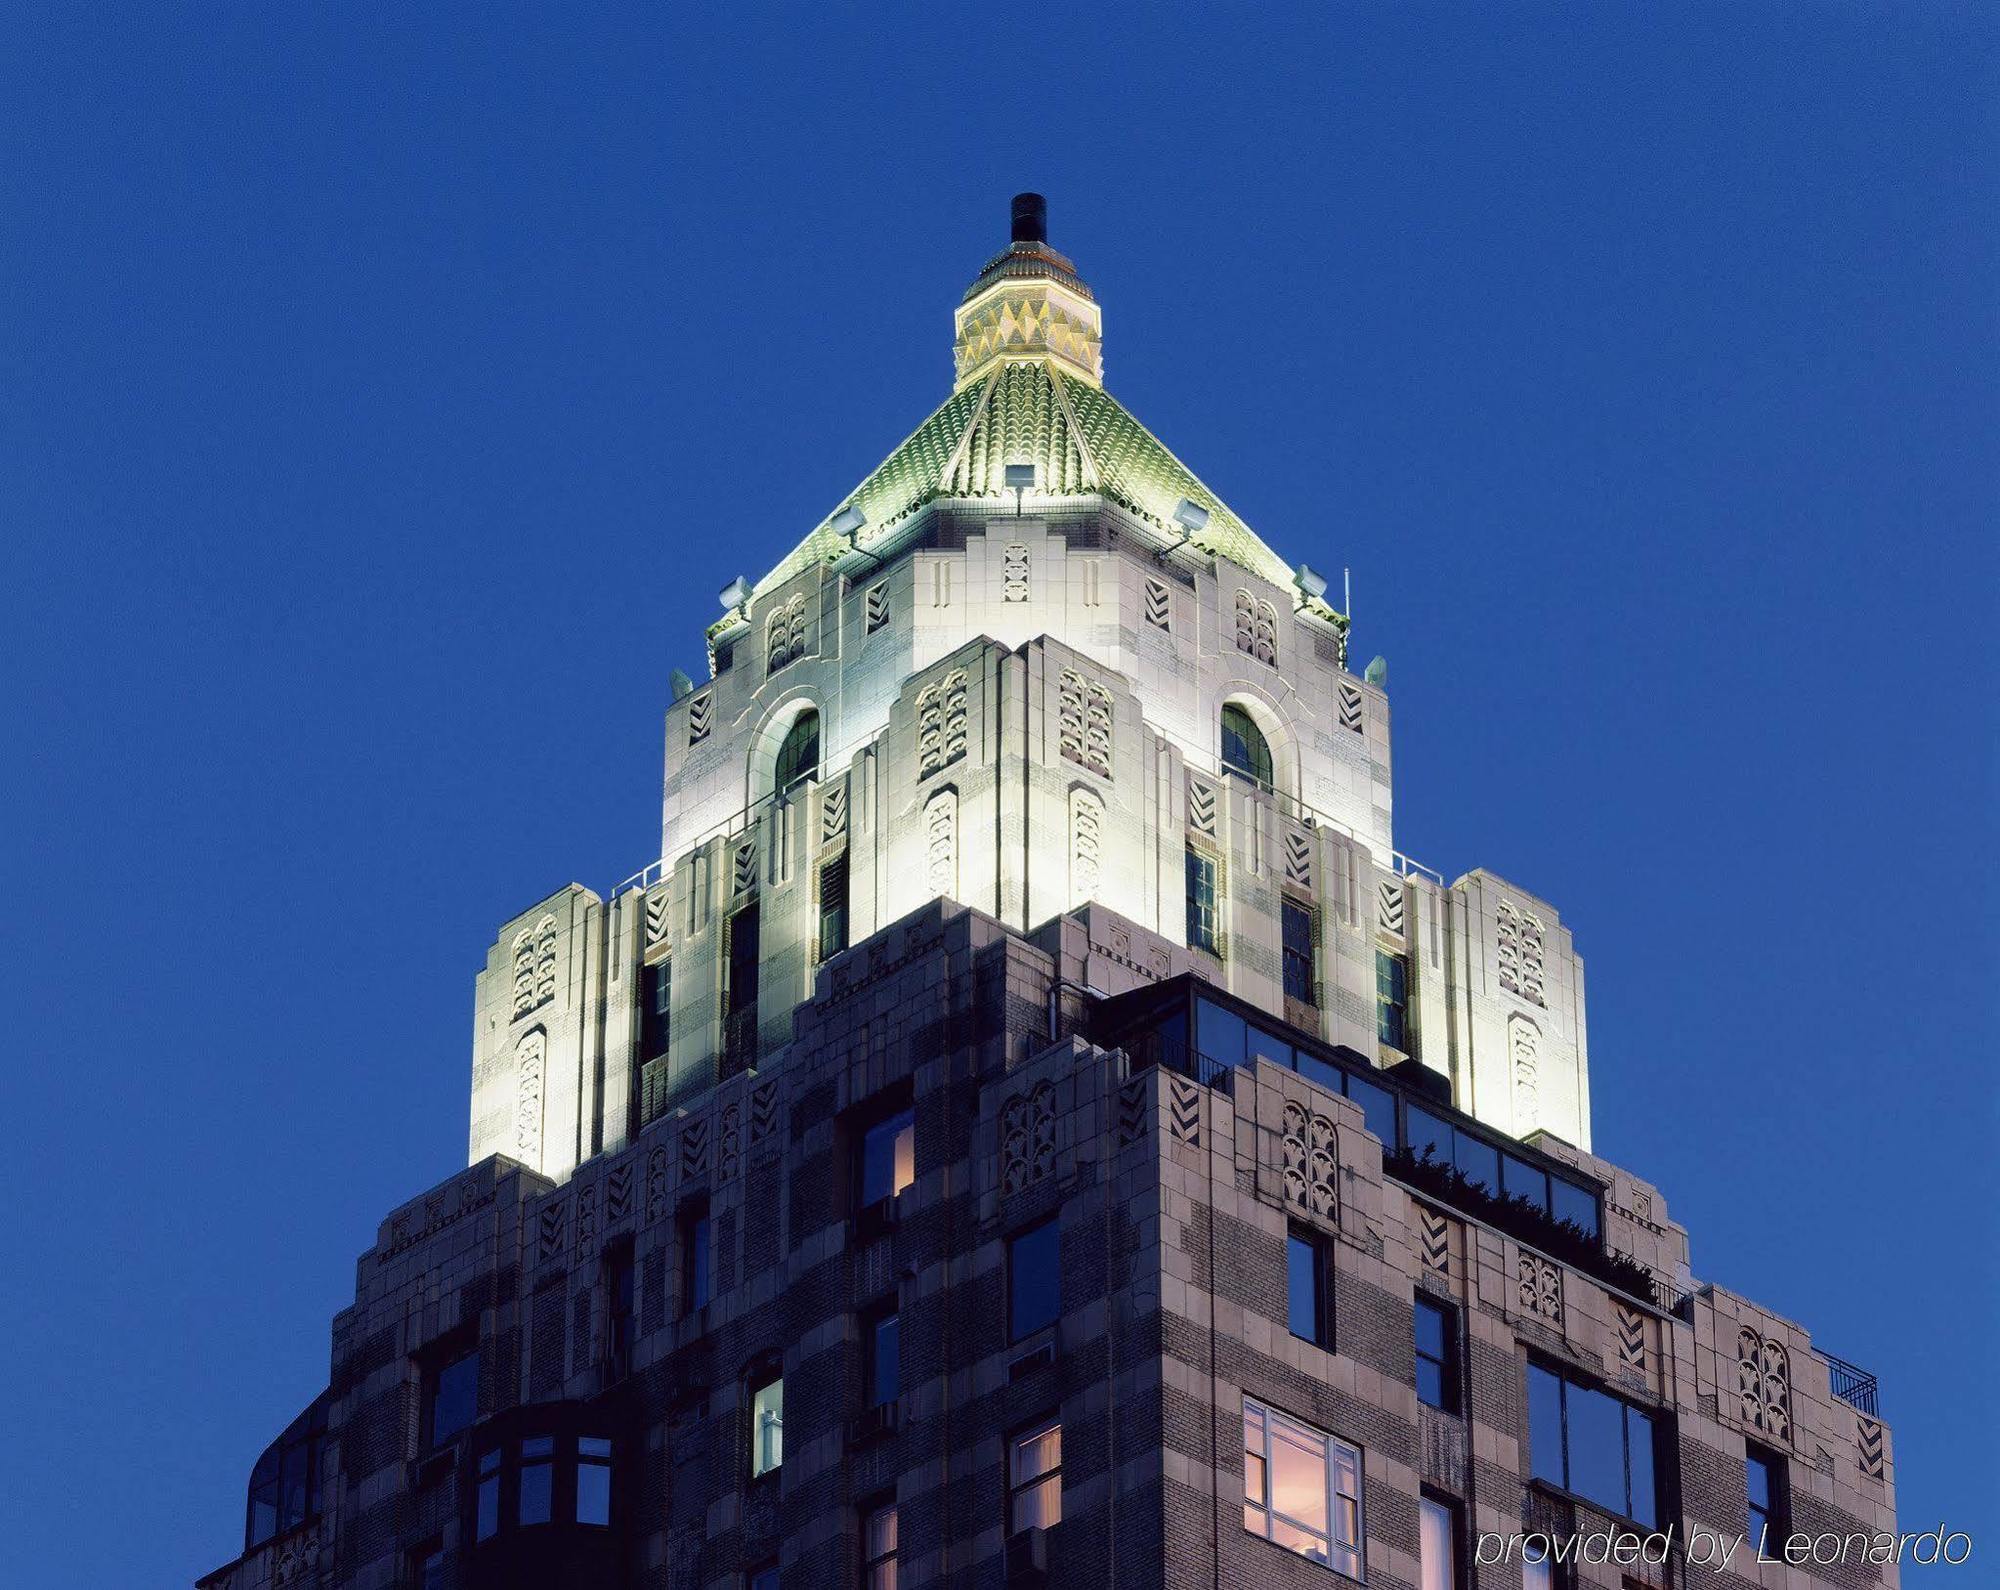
<point x="1032" y="1051"/>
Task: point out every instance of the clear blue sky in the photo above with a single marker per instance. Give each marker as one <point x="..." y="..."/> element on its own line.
<point x="384" y="393"/>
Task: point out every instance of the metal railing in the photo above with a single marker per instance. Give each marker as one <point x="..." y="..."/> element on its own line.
<point x="1151" y="1049"/>
<point x="1851" y="1383"/>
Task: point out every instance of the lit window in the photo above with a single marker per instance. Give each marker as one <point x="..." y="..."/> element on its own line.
<point x="1437" y="1351"/>
<point x="1202" y="928"/>
<point x="1305" y="1286"/>
<point x="1302" y="1488"/>
<point x="883" y="1363"/>
<point x="767" y="1427"/>
<point x="1392" y="1000"/>
<point x="878" y="1549"/>
<point x="888" y="1158"/>
<point x="833" y="907"/>
<point x="537" y="1480"/>
<point x="1437" y="1540"/>
<point x="453" y="1402"/>
<point x="694" y="1257"/>
<point x="1591" y="1444"/>
<point x="1034" y="1478"/>
<point x="1537" y="1571"/>
<point x="798" y="755"/>
<point x="1244" y="749"/>
<point x="1764" y="1479"/>
<point x="1297" y="928"/>
<point x="1034" y="1279"/>
<point x="486" y="1515"/>
<point x="593" y="1480"/>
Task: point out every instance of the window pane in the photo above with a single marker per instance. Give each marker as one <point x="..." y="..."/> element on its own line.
<point x="1430" y="1138"/>
<point x="455" y="1398"/>
<point x="593" y="1446"/>
<point x="1519" y="1179"/>
<point x="1430" y="1329"/>
<point x="1595" y="1424"/>
<point x="1035" y="1454"/>
<point x="1378" y="1106"/>
<point x="1430" y="1382"/>
<point x="1298" y="1476"/>
<point x="263" y="1510"/>
<point x="1034" y="1276"/>
<point x="884" y="1361"/>
<point x="1545" y="1425"/>
<point x="1437" y="1547"/>
<point x="1757" y="1477"/>
<point x="1639" y="1463"/>
<point x="765" y="1578"/>
<point x="888" y="1156"/>
<point x="488" y="1517"/>
<point x="881" y="1532"/>
<point x="1039" y="1506"/>
<point x="767" y="1427"/>
<point x="1314" y="1069"/>
<point x="1220" y="1034"/>
<point x="1477" y="1160"/>
<point x="1263" y="1046"/>
<point x="1302" y="1287"/>
<point x="1572" y="1203"/>
<point x="1538" y="1574"/>
<point x="593" y="1493"/>
<point x="695" y="1257"/>
<point x="536" y="1492"/>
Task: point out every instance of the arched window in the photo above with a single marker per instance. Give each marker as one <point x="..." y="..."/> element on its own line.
<point x="1244" y="748"/>
<point x="798" y="756"/>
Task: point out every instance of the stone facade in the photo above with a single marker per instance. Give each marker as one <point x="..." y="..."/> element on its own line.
<point x="946" y="891"/>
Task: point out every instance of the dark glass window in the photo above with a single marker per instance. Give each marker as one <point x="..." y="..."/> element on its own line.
<point x="656" y="996"/>
<point x="284" y="1486"/>
<point x="1266" y="1046"/>
<point x="1378" y="1106"/>
<point x="486" y="1512"/>
<point x="1392" y="1000"/>
<point x="1437" y="1354"/>
<point x="888" y="1158"/>
<point x="743" y="960"/>
<point x="1429" y="1137"/>
<point x="1478" y="1161"/>
<point x="1764" y="1479"/>
<point x="1034" y="1279"/>
<point x="1220" y="1035"/>
<point x="1034" y="1478"/>
<point x="694" y="1257"/>
<point x="1571" y="1203"/>
<point x="884" y="1360"/>
<point x="1527" y="1182"/>
<point x="593" y="1480"/>
<point x="1592" y="1444"/>
<point x="1306" y="1292"/>
<point x="1203" y="931"/>
<point x="1297" y="927"/>
<point x="878" y="1549"/>
<point x="798" y="754"/>
<point x="618" y="1294"/>
<point x="764" y="1577"/>
<point x="537" y="1479"/>
<point x="427" y="1566"/>
<point x="453" y="1402"/>
<point x="1244" y="748"/>
<point x="833" y="907"/>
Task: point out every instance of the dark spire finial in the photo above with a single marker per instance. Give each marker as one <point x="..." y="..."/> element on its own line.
<point x="1031" y="218"/>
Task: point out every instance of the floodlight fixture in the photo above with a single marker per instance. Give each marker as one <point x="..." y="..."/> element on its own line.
<point x="735" y="595"/>
<point x="1311" y="586"/>
<point x="848" y="522"/>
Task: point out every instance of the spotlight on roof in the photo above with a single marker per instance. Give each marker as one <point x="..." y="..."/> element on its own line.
<point x="1378" y="671"/>
<point x="848" y="522"/>
<point x="1191" y="516"/>
<point x="736" y="594"/>
<point x="1311" y="586"/>
<point x="1020" y="477"/>
<point x="679" y="683"/>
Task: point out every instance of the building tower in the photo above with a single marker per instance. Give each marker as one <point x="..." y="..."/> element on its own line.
<point x="1031" y="1127"/>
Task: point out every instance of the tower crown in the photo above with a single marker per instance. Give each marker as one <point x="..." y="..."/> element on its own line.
<point x="1028" y="303"/>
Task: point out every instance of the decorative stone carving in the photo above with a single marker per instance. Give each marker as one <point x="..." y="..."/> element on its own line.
<point x="1014" y="573"/>
<point x="1631" y="1337"/>
<point x="1434" y="1240"/>
<point x="1868" y="1444"/>
<point x="785" y="634"/>
<point x="530" y="1062"/>
<point x="1311" y="1168"/>
<point x="1086" y="842"/>
<point x="1298" y="858"/>
<point x="1201" y="807"/>
<point x="743" y="866"/>
<point x="1134" y="1118"/>
<point x="941" y="723"/>
<point x="552" y="1228"/>
<point x="701" y="717"/>
<point x="1764" y="1383"/>
<point x="535" y="966"/>
<point x="1083" y="722"/>
<point x="1027" y="1138"/>
<point x="875" y="609"/>
<point x="1524" y="1045"/>
<point x="730" y="1149"/>
<point x="618" y="1194"/>
<point x="1184" y="1111"/>
<point x="1389" y="905"/>
<point x="1353" y="717"/>
<point x="1256" y="628"/>
<point x="694" y="1146"/>
<point x="657" y="1184"/>
<point x="1159" y="605"/>
<point x="1522" y="950"/>
<point x="833" y="811"/>
<point x="941" y="844"/>
<point x="1539" y="1284"/>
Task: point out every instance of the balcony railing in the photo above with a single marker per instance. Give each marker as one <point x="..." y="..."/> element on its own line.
<point x="1151" y="1049"/>
<point x="1852" y="1384"/>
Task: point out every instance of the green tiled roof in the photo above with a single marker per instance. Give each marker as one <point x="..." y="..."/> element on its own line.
<point x="1081" y="440"/>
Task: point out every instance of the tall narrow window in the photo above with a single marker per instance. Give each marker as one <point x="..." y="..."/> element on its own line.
<point x="618" y="1297"/>
<point x="833" y="907"/>
<point x="1034" y="1478"/>
<point x="878" y="1549"/>
<point x="694" y="1256"/>
<point x="486" y="1510"/>
<point x="798" y="753"/>
<point x="1437" y="1354"/>
<point x="739" y="1022"/>
<point x="1300" y="983"/>
<point x="1764" y="1481"/>
<point x="1244" y="749"/>
<point x="1392" y="1000"/>
<point x="593" y="1480"/>
<point x="453" y="1400"/>
<point x="767" y="1426"/>
<point x="1306" y="1289"/>
<point x="1034" y="1279"/>
<point x="656" y="998"/>
<point x="537" y="1480"/>
<point x="1437" y="1542"/>
<point x="883" y="1360"/>
<point x="1201" y="923"/>
<point x="888" y="1161"/>
<point x="762" y="1577"/>
<point x="1301" y="1488"/>
<point x="1592" y="1444"/>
